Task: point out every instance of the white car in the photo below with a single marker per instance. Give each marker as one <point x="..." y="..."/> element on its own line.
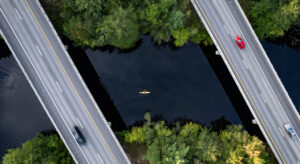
<point x="290" y="130"/>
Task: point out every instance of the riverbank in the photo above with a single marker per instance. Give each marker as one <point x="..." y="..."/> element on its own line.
<point x="120" y="23"/>
<point x="120" y="72"/>
<point x="158" y="142"/>
<point x="16" y="94"/>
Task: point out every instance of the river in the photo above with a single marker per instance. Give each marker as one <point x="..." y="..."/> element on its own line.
<point x="184" y="84"/>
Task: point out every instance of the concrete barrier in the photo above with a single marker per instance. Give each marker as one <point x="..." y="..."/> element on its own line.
<point x="81" y="80"/>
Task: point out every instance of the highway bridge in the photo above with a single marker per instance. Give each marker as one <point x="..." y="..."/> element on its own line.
<point x="57" y="83"/>
<point x="254" y="75"/>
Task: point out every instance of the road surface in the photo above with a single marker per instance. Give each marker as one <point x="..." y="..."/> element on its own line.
<point x="57" y="83"/>
<point x="253" y="74"/>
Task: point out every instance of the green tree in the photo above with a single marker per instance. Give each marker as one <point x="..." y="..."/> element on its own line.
<point x="190" y="129"/>
<point x="161" y="129"/>
<point x="119" y="23"/>
<point x="89" y="7"/>
<point x="120" y="28"/>
<point x="41" y="149"/>
<point x="192" y="143"/>
<point x="175" y="154"/>
<point x="208" y="147"/>
<point x="157" y="18"/>
<point x="254" y="149"/>
<point x="136" y="134"/>
<point x="166" y="150"/>
<point x="181" y="36"/>
<point x="235" y="157"/>
<point x="176" y="20"/>
<point x="272" y="18"/>
<point x="80" y="18"/>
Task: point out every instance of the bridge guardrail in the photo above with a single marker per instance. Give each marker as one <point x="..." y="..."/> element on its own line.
<point x="236" y="80"/>
<point x="37" y="94"/>
<point x="81" y="80"/>
<point x="268" y="60"/>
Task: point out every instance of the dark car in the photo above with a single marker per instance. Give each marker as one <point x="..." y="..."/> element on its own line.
<point x="78" y="135"/>
<point x="290" y="130"/>
<point x="240" y="42"/>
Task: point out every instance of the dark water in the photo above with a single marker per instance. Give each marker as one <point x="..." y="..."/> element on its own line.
<point x="287" y="64"/>
<point x="181" y="82"/>
<point x="21" y="114"/>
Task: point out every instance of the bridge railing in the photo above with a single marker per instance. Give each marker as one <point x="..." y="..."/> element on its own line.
<point x="37" y="94"/>
<point x="286" y="95"/>
<point x="82" y="81"/>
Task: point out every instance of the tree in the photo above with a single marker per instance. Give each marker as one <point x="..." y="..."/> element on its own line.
<point x="181" y="36"/>
<point x="208" y="147"/>
<point x="89" y="7"/>
<point x="136" y="134"/>
<point x="190" y="129"/>
<point x="240" y="147"/>
<point x="166" y="150"/>
<point x="176" y="20"/>
<point x="254" y="149"/>
<point x="272" y="18"/>
<point x="158" y="18"/>
<point x="235" y="157"/>
<point x="41" y="149"/>
<point x="175" y="154"/>
<point x="161" y="129"/>
<point x="192" y="143"/>
<point x="119" y="23"/>
<point x="120" y="28"/>
<point x="286" y="15"/>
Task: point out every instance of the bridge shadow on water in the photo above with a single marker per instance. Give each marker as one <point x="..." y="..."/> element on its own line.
<point x="93" y="82"/>
<point x="232" y="91"/>
<point x="4" y="49"/>
<point x="110" y="111"/>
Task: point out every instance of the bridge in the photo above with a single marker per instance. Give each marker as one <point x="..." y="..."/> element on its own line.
<point x="254" y="75"/>
<point x="57" y="83"/>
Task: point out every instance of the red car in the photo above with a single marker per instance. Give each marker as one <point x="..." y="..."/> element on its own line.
<point x="240" y="42"/>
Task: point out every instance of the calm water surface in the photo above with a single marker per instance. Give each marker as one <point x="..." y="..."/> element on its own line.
<point x="21" y="114"/>
<point x="181" y="83"/>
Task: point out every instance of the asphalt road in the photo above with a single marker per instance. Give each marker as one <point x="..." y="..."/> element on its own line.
<point x="254" y="75"/>
<point x="57" y="83"/>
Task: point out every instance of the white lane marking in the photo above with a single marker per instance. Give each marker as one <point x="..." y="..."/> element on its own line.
<point x="79" y="123"/>
<point x="58" y="86"/>
<point x="100" y="158"/>
<point x="81" y="80"/>
<point x="43" y="83"/>
<point x="18" y="14"/>
<point x="281" y="131"/>
<point x="39" y="50"/>
<point x="226" y="29"/>
<point x="276" y="98"/>
<point x="262" y="96"/>
<point x="245" y="64"/>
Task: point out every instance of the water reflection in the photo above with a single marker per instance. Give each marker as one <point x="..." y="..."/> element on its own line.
<point x="21" y="114"/>
<point x="181" y="83"/>
<point x="286" y="63"/>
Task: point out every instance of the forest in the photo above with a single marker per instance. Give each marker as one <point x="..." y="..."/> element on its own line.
<point x="192" y="143"/>
<point x="43" y="148"/>
<point x="119" y="23"/>
<point x="155" y="142"/>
